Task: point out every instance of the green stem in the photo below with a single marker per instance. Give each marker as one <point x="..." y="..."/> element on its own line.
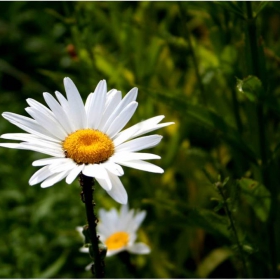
<point x="236" y="111"/>
<point x="192" y="52"/>
<point x="255" y="69"/>
<point x="234" y="231"/>
<point x="87" y="184"/>
<point x="125" y="258"/>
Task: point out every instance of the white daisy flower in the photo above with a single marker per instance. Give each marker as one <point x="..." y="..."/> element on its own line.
<point x="86" y="137"/>
<point x="118" y="231"/>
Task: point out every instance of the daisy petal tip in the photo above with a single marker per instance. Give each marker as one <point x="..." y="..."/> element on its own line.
<point x="123" y="202"/>
<point x="68" y="181"/>
<point x="45" y="185"/>
<point x="31" y="183"/>
<point x="67" y="82"/>
<point x="122" y="199"/>
<point x="46" y="94"/>
<point x="158" y="170"/>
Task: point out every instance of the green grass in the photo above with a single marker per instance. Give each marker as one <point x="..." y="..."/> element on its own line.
<point x="213" y="69"/>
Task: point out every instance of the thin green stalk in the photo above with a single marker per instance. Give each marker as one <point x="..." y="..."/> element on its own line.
<point x="87" y="184"/>
<point x="234" y="231"/>
<point x="255" y="69"/>
<point x="192" y="52"/>
<point x="236" y="110"/>
<point x="125" y="258"/>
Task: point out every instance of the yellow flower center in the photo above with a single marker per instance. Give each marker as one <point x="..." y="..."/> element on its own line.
<point x="88" y="146"/>
<point x="117" y="240"/>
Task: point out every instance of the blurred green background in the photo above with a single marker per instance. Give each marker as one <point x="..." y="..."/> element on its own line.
<point x="213" y="68"/>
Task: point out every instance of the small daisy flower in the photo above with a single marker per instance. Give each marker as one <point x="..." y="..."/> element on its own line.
<point x="86" y="137"/>
<point x="118" y="231"/>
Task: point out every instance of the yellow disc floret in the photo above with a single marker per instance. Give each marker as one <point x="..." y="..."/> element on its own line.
<point x="117" y="240"/>
<point x="88" y="146"/>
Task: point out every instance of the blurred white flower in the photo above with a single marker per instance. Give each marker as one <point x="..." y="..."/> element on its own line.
<point x="86" y="137"/>
<point x="118" y="231"/>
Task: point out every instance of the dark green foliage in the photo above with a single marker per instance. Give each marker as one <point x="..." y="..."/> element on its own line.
<point x="214" y="69"/>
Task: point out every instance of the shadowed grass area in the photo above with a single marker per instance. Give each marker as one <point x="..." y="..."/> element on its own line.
<point x="213" y="69"/>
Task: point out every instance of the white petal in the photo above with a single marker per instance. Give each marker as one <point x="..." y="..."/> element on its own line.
<point x="37" y="143"/>
<point x="140" y="129"/>
<point x="110" y="99"/>
<point x="11" y="145"/>
<point x="109" y="219"/>
<point x="50" y="124"/>
<point x="29" y="146"/>
<point x="46" y="161"/>
<point x="130" y="97"/>
<point x="67" y="164"/>
<point x="74" y="173"/>
<point x="145" y="130"/>
<point x="142" y="165"/>
<point x="122" y="119"/>
<point x="118" y="192"/>
<point x="80" y="231"/>
<point x="29" y="125"/>
<point x="111" y="103"/>
<point x="95" y="105"/>
<point x="75" y="103"/>
<point x="84" y="250"/>
<point x="21" y="136"/>
<point x="125" y="220"/>
<point x="103" y="231"/>
<point x="125" y="135"/>
<point x="102" y="178"/>
<point x="67" y="110"/>
<point x="124" y="210"/>
<point x="88" y="267"/>
<point x="125" y="156"/>
<point x="39" y="106"/>
<point x="138" y="144"/>
<point x="114" y="252"/>
<point x="113" y="168"/>
<point x="132" y="238"/>
<point x="43" y="144"/>
<point x="98" y="172"/>
<point x="62" y="100"/>
<point x="54" y="179"/>
<point x="139" y="248"/>
<point x="58" y="112"/>
<point x="40" y="175"/>
<point x="90" y="170"/>
<point x="138" y="219"/>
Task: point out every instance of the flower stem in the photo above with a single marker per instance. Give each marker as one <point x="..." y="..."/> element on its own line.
<point x="87" y="184"/>
<point x="232" y="226"/>
<point x="125" y="258"/>
<point x="256" y="69"/>
<point x="183" y="16"/>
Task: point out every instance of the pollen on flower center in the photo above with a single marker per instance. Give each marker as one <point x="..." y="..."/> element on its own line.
<point x="117" y="240"/>
<point x="88" y="146"/>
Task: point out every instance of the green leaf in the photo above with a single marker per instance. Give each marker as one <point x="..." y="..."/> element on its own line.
<point x="251" y="87"/>
<point x="193" y="217"/>
<point x="261" y="6"/>
<point x="54" y="268"/>
<point x="212" y="260"/>
<point x="257" y="196"/>
<point x="231" y="7"/>
<point x="209" y="119"/>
